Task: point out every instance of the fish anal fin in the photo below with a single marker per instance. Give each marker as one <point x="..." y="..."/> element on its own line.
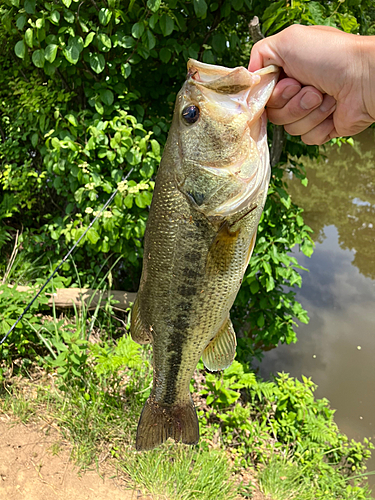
<point x="220" y="352"/>
<point x="138" y="331"/>
<point x="158" y="423"/>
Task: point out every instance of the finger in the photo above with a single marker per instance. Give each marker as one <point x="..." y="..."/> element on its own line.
<point x="284" y="90"/>
<point x="321" y="133"/>
<point x="297" y="108"/>
<point x="313" y="119"/>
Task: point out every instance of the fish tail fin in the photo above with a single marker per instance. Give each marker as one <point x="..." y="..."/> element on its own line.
<point x="158" y="423"/>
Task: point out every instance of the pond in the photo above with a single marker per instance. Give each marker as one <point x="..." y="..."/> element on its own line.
<point x="337" y="348"/>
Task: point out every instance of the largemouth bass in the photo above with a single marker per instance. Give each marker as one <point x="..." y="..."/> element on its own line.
<point x="209" y="195"/>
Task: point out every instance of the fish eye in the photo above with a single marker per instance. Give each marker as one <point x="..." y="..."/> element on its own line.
<point x="190" y="114"/>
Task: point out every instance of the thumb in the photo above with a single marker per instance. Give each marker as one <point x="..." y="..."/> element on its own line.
<point x="264" y="54"/>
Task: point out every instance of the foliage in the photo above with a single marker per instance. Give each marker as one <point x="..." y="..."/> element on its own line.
<point x="23" y="344"/>
<point x="86" y="95"/>
<point x="281" y="418"/>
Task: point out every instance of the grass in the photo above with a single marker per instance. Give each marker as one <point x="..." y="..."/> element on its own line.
<point x="180" y="472"/>
<point x="284" y="480"/>
<point x="104" y="428"/>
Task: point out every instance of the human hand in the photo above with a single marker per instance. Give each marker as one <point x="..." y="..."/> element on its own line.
<point x="328" y="90"/>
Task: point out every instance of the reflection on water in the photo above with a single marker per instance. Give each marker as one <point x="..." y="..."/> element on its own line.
<point x="337" y="347"/>
<point x="341" y="192"/>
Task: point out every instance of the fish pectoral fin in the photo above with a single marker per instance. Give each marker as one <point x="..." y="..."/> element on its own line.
<point x="158" y="423"/>
<point x="220" y="352"/>
<point x="138" y="331"/>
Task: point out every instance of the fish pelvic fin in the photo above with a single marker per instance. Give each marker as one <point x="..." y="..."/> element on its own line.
<point x="158" y="423"/>
<point x="220" y="352"/>
<point x="138" y="331"/>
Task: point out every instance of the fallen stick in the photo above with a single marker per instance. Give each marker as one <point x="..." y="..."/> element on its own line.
<point x="64" y="298"/>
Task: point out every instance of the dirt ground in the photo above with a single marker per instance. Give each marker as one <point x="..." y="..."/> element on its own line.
<point x="35" y="465"/>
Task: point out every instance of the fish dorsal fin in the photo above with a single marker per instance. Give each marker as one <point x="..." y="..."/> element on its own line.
<point x="138" y="331"/>
<point x="220" y="352"/>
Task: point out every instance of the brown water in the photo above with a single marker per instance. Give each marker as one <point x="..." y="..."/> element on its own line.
<point x="337" y="348"/>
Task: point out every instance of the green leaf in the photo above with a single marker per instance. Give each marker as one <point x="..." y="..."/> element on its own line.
<point x="219" y="42"/>
<point x="200" y="8"/>
<point x="307" y="248"/>
<point x="104" y="16"/>
<point x="92" y="236"/>
<point x="72" y="119"/>
<point x="150" y="40"/>
<point x="99" y="107"/>
<point x="153" y="20"/>
<point x="166" y="24"/>
<point x="348" y="22"/>
<point x="165" y="55"/>
<point x="138" y="29"/>
<point x="260" y="320"/>
<point x="20" y="49"/>
<point x="49" y="68"/>
<point x="73" y="49"/>
<point x="126" y="69"/>
<point x="267" y="267"/>
<point x="254" y="287"/>
<point x="38" y="58"/>
<point x="208" y="57"/>
<point x="316" y="11"/>
<point x="29" y="6"/>
<point x="104" y="42"/>
<point x="51" y="51"/>
<point x="153" y="5"/>
<point x="107" y="97"/>
<point x="29" y="35"/>
<point x="89" y="38"/>
<point x="143" y="199"/>
<point x="69" y="16"/>
<point x="34" y="139"/>
<point x="55" y="16"/>
<point x="67" y="3"/>
<point x="21" y="21"/>
<point x="155" y="147"/>
<point x="55" y="143"/>
<point x="97" y="62"/>
<point x="270" y="284"/>
<point x="237" y="4"/>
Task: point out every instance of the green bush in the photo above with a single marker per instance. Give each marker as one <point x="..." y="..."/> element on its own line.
<point x="265" y="420"/>
<point x="86" y="96"/>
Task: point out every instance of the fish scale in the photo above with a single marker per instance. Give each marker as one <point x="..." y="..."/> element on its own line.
<point x="208" y="199"/>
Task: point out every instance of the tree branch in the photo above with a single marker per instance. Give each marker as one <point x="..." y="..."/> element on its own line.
<point x="278" y="138"/>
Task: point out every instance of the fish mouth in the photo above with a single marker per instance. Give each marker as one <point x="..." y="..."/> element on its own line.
<point x="226" y="80"/>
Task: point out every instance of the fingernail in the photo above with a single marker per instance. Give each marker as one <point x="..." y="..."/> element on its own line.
<point x="328" y="103"/>
<point x="310" y="100"/>
<point x="290" y="91"/>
